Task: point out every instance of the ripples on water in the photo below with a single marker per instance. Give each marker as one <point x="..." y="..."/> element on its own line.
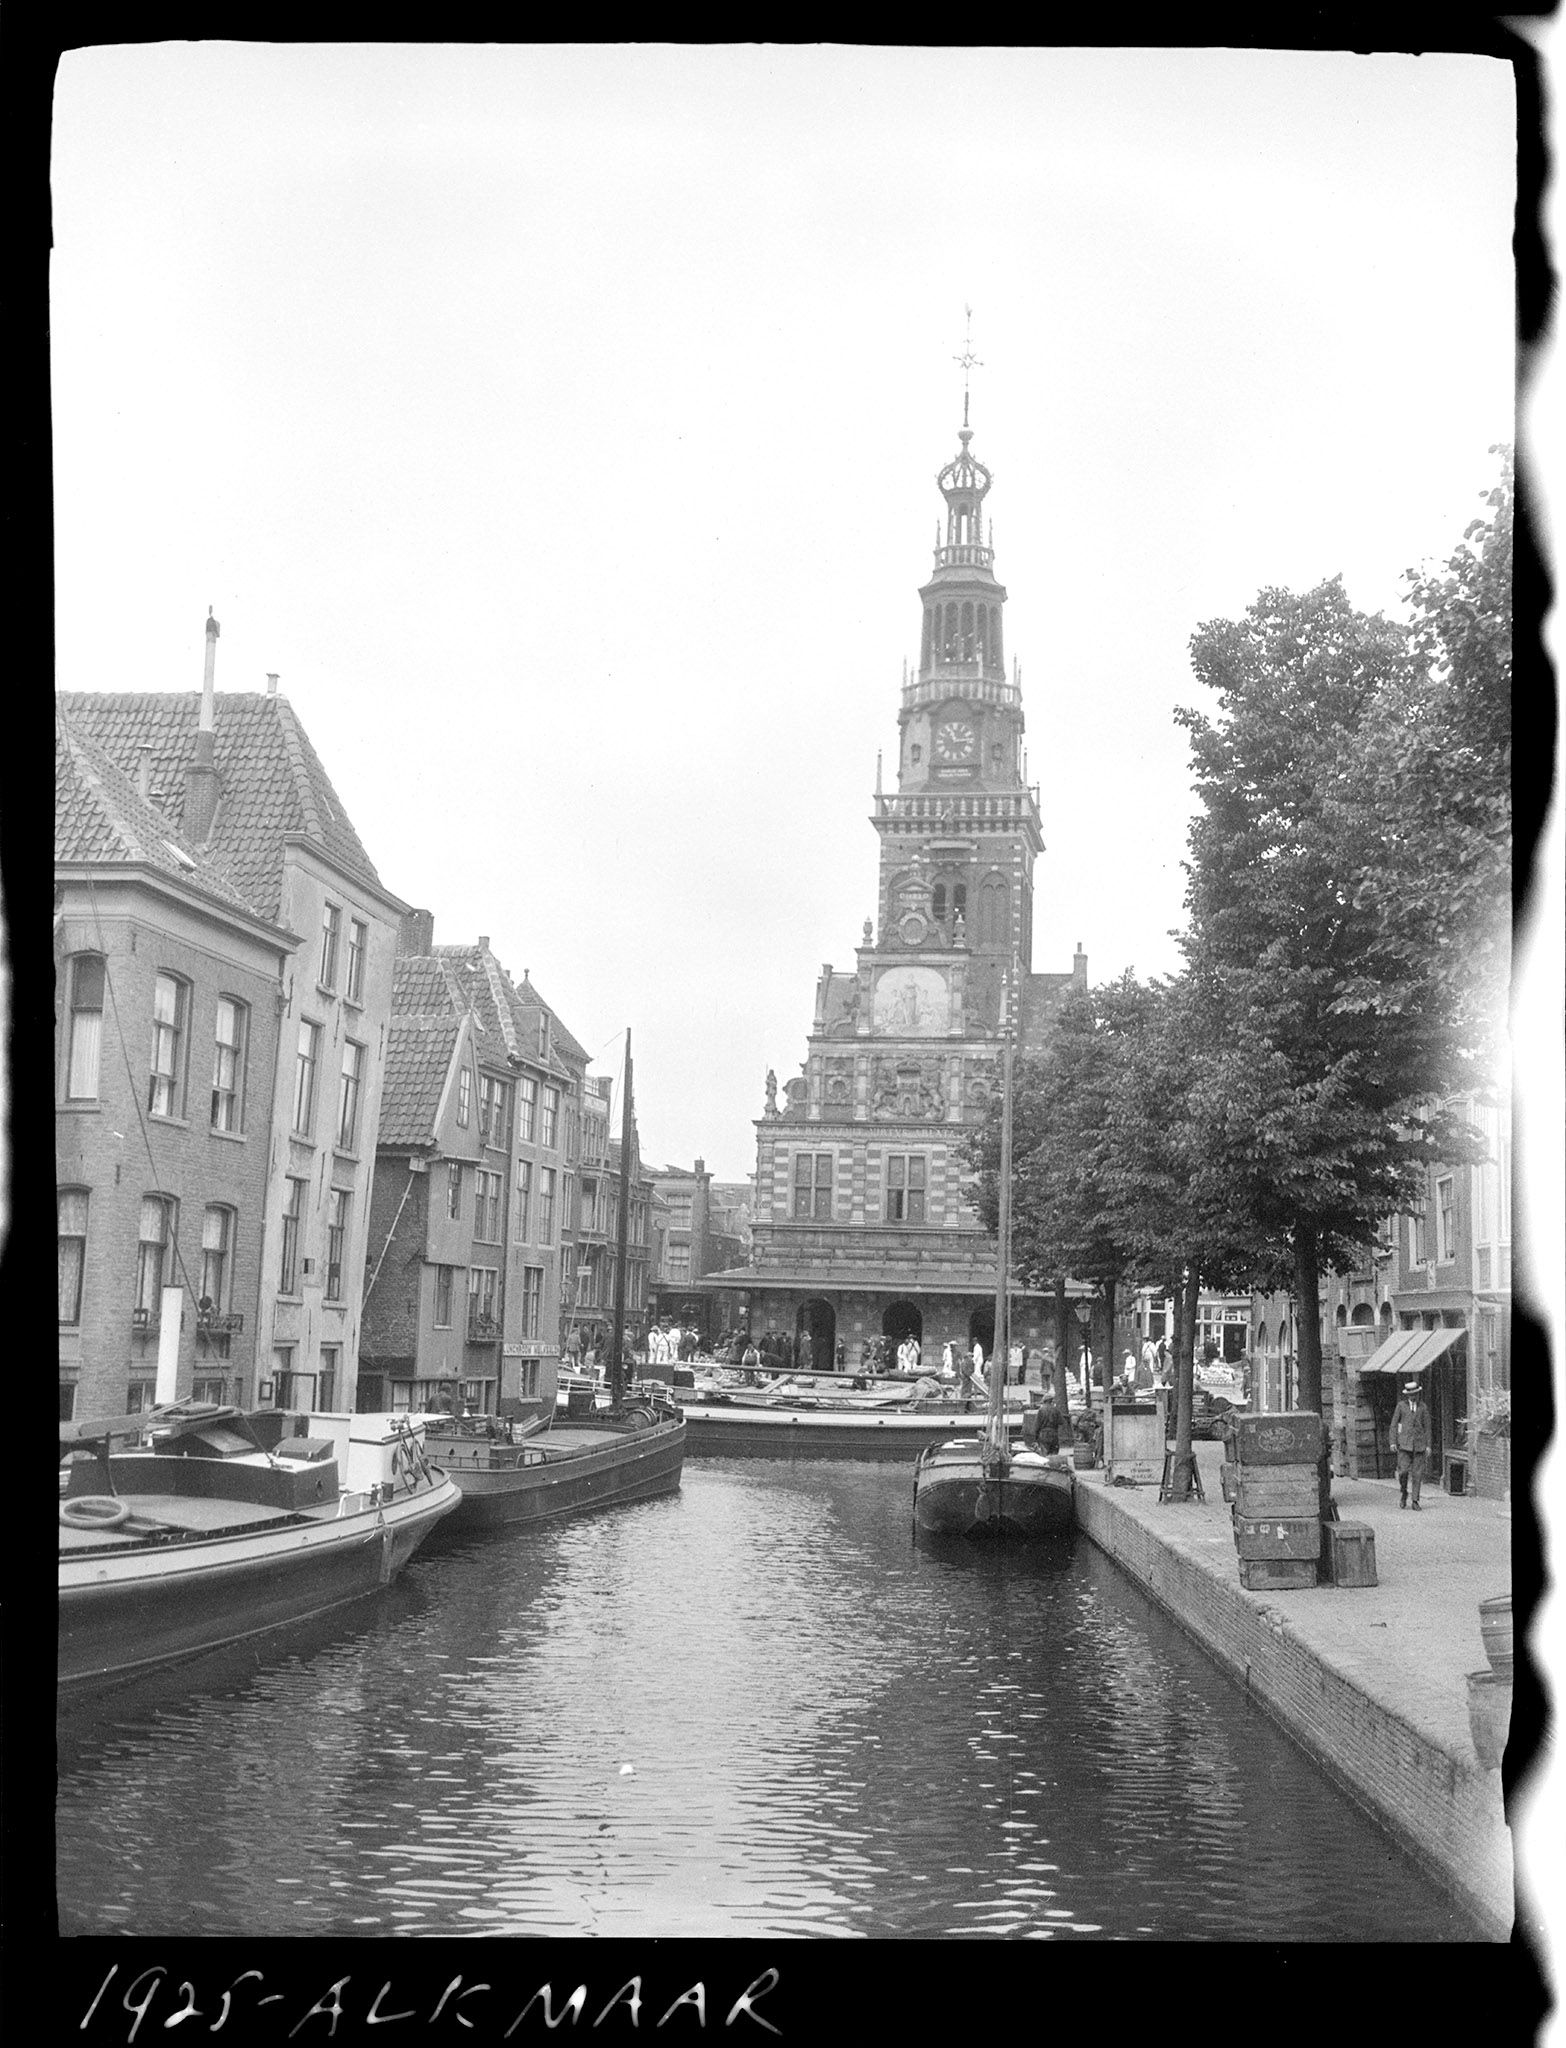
<point x="829" y="1730"/>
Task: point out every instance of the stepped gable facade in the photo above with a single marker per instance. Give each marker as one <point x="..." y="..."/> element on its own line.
<point x="863" y="1226"/>
<point x="279" y="1066"/>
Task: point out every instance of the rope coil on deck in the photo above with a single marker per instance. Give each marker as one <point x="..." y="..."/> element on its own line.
<point x="94" y="1511"/>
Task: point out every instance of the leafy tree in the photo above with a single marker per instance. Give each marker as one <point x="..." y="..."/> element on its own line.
<point x="1323" y="1079"/>
<point x="1426" y="796"/>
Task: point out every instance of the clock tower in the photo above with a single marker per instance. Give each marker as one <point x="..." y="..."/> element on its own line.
<point x="960" y="836"/>
<point x="864" y="1234"/>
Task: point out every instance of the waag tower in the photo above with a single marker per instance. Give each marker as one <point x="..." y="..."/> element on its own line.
<point x="862" y="1226"/>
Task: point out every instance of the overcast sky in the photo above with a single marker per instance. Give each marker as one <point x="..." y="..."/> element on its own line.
<point x="561" y="425"/>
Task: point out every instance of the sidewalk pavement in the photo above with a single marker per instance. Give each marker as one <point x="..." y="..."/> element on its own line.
<point x="1408" y="1641"/>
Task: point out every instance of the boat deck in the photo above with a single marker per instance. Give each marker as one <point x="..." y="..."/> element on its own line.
<point x="190" y="1517"/>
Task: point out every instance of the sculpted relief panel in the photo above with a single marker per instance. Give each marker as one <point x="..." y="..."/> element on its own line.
<point x="911" y="1002"/>
<point x="908" y="1090"/>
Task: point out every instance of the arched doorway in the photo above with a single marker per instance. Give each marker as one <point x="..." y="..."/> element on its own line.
<point x="815" y="1336"/>
<point x="900" y="1319"/>
<point x="981" y="1331"/>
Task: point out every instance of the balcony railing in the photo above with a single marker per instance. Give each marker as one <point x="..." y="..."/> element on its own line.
<point x="482" y="1328"/>
<point x="144" y="1319"/>
<point x="211" y="1323"/>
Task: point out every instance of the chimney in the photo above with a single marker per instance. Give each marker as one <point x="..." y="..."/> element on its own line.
<point x="271" y="683"/>
<point x="416" y="934"/>
<point x="144" y="771"/>
<point x="1079" y="966"/>
<point x="201" y="791"/>
<point x="483" y="944"/>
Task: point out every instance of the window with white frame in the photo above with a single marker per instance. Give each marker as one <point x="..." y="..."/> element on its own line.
<point x="465" y="1096"/>
<point x="326" y="1385"/>
<point x="494" y="1110"/>
<point x="170" y="998"/>
<point x="217" y="1238"/>
<point x="1446" y="1221"/>
<point x="338" y="1201"/>
<point x="70" y="1205"/>
<point x="812" y="1186"/>
<point x="546" y="1205"/>
<point x="523" y="1218"/>
<point x="87" y="982"/>
<point x="551" y="1116"/>
<point x="305" y="1063"/>
<point x="905" y="1174"/>
<point x="358" y="945"/>
<point x="331" y="932"/>
<point x="445" y="1277"/>
<point x="349" y="1093"/>
<point x="487" y="1192"/>
<point x="293" y="1215"/>
<point x="454" y="1189"/>
<point x="154" y="1245"/>
<point x="228" y="1064"/>
<point x="532" y="1300"/>
<point x="483" y="1297"/>
<point x="527" y="1107"/>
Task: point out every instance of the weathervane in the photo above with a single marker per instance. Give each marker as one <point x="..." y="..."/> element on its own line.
<point x="967" y="359"/>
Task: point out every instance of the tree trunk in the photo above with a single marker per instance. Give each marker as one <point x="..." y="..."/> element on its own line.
<point x="1065" y="1329"/>
<point x="1307" y="1309"/>
<point x="1104" y="1336"/>
<point x="1186" y="1296"/>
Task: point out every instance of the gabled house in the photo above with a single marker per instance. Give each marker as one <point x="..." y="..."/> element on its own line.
<point x="249" y="802"/>
<point x="472" y="1188"/>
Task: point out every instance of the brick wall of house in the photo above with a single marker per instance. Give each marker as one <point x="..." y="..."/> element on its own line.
<point x="100" y="1146"/>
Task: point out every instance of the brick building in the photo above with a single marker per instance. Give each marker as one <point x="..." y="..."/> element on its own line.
<point x="596" y="1250"/>
<point x="863" y="1227"/>
<point x="1433" y="1300"/>
<point x="166" y="1024"/>
<point x="251" y="806"/>
<point x="475" y="1184"/>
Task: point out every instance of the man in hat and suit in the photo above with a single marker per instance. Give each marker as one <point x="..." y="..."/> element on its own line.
<point x="1410" y="1440"/>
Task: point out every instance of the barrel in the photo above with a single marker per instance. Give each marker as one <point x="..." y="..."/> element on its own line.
<point x="1495" y="1626"/>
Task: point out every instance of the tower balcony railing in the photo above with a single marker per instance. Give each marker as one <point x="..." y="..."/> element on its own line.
<point x="982" y="682"/>
<point x="963" y="808"/>
<point x="964" y="554"/>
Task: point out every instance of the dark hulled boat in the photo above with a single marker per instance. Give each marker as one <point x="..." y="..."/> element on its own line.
<point x="599" y="1457"/>
<point x="984" y="1486"/>
<point x="219" y="1529"/>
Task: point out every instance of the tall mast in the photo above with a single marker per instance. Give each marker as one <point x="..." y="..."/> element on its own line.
<point x="622" y="1242"/>
<point x="1002" y="1346"/>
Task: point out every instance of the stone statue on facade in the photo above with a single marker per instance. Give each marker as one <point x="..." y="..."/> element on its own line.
<point x="772" y="1093"/>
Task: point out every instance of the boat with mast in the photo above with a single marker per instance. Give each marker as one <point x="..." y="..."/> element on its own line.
<point x="632" y="1450"/>
<point x="983" y="1486"/>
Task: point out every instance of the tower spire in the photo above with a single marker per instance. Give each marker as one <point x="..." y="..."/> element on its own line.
<point x="969" y="361"/>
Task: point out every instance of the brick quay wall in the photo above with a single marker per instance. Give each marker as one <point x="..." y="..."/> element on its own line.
<point x="1368" y="1680"/>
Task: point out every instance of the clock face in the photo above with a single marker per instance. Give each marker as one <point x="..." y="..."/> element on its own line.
<point x="954" y="741"/>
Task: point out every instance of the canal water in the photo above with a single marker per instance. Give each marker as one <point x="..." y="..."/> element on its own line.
<point x="755" y="1708"/>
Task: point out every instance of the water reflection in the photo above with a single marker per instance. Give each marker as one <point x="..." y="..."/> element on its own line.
<point x="829" y="1731"/>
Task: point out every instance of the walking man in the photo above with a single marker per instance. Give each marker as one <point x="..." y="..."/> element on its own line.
<point x="1411" y="1441"/>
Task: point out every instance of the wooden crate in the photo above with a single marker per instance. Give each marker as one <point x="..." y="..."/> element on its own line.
<point x="1294" y="1537"/>
<point x="1351" y="1553"/>
<point x="1267" y="1492"/>
<point x="1293" y="1439"/>
<point x="1276" y="1574"/>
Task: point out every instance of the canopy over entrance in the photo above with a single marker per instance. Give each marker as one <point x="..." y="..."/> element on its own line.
<point x="1410" y="1351"/>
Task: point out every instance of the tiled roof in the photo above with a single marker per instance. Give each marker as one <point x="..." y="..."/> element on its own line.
<point x="418" y="1057"/>
<point x="100" y="816"/>
<point x="488" y="985"/>
<point x="270" y="779"/>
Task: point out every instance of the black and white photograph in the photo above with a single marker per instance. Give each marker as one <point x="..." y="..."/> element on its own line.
<point x="791" y="1075"/>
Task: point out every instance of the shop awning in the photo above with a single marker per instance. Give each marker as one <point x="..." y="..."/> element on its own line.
<point x="1411" y="1351"/>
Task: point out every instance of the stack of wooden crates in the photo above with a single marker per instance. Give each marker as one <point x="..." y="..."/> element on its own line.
<point x="1277" y="1500"/>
